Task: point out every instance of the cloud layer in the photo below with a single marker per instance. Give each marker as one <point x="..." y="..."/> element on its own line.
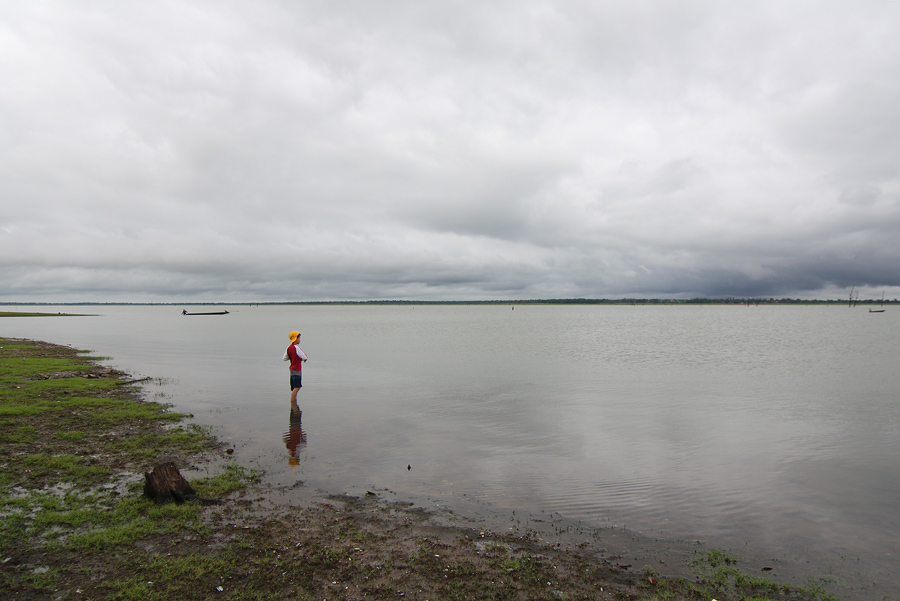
<point x="230" y="151"/>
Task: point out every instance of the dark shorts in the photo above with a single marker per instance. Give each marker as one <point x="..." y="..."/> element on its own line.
<point x="296" y="382"/>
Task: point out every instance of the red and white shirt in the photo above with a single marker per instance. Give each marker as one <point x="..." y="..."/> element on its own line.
<point x="296" y="356"/>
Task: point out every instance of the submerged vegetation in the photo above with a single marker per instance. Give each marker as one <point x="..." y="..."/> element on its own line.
<point x="75" y="438"/>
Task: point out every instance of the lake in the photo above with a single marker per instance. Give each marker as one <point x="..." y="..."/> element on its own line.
<point x="771" y="430"/>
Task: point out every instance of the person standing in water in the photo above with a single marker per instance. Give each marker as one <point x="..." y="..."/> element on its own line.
<point x="297" y="357"/>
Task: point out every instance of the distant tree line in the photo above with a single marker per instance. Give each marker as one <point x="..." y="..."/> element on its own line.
<point x="552" y="301"/>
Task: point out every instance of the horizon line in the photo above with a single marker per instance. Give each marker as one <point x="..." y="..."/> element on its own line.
<point x="575" y="300"/>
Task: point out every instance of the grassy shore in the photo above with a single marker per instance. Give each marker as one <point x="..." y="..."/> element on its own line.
<point x="75" y="439"/>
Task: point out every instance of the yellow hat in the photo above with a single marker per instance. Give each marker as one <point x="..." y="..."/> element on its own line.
<point x="294" y="336"/>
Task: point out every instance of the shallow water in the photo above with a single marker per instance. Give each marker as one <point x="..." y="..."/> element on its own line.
<point x="771" y="430"/>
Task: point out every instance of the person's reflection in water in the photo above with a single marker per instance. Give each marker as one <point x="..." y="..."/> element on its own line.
<point x="295" y="438"/>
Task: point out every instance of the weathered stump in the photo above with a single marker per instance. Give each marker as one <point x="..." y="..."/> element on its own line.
<point x="165" y="483"/>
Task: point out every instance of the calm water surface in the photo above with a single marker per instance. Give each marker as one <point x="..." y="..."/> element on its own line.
<point x="769" y="429"/>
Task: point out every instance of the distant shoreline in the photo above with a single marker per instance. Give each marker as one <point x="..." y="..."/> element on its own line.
<point x="561" y="301"/>
<point x="36" y="314"/>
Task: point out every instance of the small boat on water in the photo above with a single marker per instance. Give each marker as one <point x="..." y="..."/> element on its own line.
<point x="881" y="310"/>
<point x="185" y="312"/>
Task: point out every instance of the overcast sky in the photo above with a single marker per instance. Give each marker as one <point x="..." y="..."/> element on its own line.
<point x="320" y="150"/>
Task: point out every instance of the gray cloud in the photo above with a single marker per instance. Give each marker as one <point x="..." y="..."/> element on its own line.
<point x="302" y="151"/>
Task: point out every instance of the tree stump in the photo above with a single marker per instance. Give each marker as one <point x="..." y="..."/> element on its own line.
<point x="165" y="483"/>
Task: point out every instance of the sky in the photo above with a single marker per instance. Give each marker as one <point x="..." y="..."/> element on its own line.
<point x="277" y="150"/>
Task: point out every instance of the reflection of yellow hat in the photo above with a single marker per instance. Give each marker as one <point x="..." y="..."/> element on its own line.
<point x="293" y="461"/>
<point x="294" y="336"/>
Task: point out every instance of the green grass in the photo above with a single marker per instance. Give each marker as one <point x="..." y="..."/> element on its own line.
<point x="233" y="478"/>
<point x="46" y="397"/>
<point x="63" y="468"/>
<point x="33" y="365"/>
<point x="719" y="578"/>
<point x="63" y="439"/>
<point x="71" y="435"/>
<point x="102" y="520"/>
